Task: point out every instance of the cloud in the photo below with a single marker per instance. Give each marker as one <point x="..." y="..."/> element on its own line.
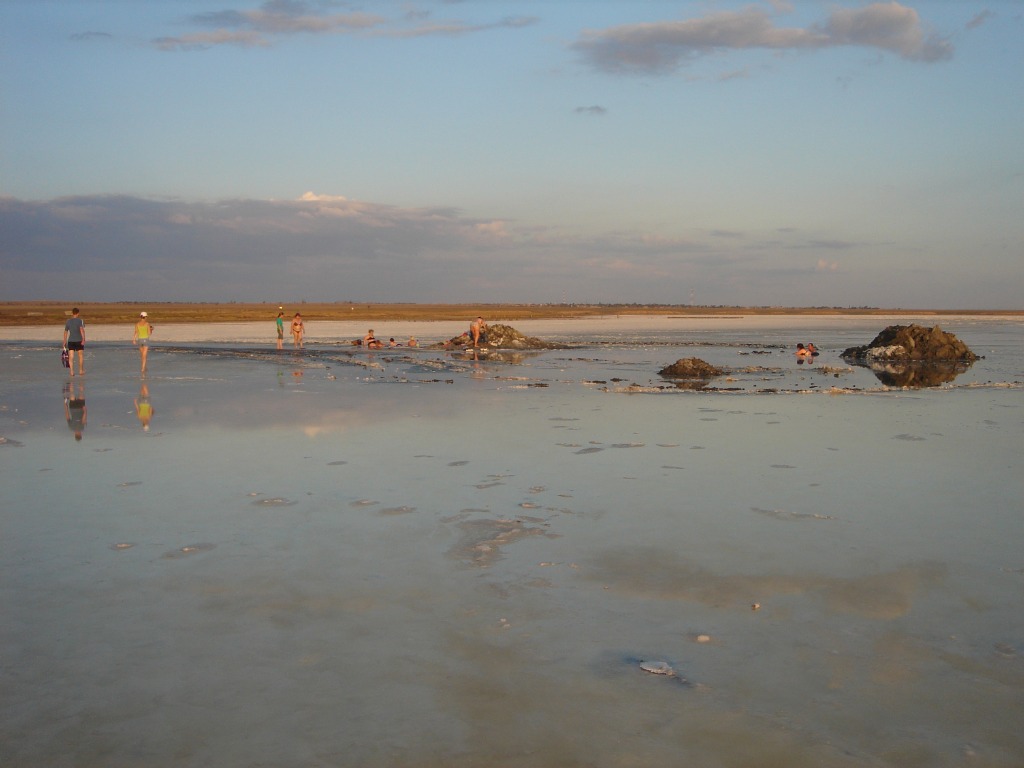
<point x="320" y="247"/>
<point x="281" y="18"/>
<point x="329" y="247"/>
<point x="86" y="36"/>
<point x="203" y="40"/>
<point x="660" y="48"/>
<point x="594" y="110"/>
<point x="980" y="19"/>
<point x="425" y="28"/>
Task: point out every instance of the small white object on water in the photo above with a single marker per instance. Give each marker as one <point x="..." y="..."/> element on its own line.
<point x="703" y="638"/>
<point x="657" y="668"/>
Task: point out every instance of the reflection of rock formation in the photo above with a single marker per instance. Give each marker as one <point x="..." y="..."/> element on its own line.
<point x="917" y="375"/>
<point x="913" y="356"/>
<point x="692" y="368"/>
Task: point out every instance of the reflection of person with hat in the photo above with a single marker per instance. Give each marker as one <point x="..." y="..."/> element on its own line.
<point x="143" y="408"/>
<point x="143" y="330"/>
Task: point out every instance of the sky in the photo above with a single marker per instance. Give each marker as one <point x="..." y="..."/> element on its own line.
<point x="762" y="153"/>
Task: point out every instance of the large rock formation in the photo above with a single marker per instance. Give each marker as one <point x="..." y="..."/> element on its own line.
<point x="913" y="356"/>
<point x="502" y="337"/>
<point x="912" y="343"/>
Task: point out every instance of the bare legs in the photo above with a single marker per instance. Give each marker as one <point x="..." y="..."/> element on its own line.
<point x="81" y="361"/>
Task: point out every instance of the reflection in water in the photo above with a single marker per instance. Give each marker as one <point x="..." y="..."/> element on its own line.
<point x="918" y="375"/>
<point x="692" y="384"/>
<point x="143" y="407"/>
<point x="74" y="407"/>
<point x="493" y="587"/>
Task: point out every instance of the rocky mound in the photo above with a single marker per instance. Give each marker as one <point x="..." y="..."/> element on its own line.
<point x="912" y="343"/>
<point x="691" y="368"/>
<point x="502" y="337"/>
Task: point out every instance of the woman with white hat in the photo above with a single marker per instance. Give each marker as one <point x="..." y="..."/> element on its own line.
<point x="143" y="330"/>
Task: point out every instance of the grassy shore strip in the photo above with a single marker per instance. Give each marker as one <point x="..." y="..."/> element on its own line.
<point x="19" y="313"/>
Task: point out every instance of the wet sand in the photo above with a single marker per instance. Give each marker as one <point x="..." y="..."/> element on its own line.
<point x="425" y="560"/>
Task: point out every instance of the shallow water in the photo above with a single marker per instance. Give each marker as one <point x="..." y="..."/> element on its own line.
<point x="419" y="559"/>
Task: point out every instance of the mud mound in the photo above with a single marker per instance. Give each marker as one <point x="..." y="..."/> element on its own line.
<point x="691" y="368"/>
<point x="502" y="337"/>
<point x="912" y="343"/>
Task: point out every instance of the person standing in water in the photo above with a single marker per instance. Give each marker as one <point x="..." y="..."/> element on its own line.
<point x="478" y="331"/>
<point x="143" y="330"/>
<point x="280" y="330"/>
<point x="298" y="329"/>
<point x="74" y="341"/>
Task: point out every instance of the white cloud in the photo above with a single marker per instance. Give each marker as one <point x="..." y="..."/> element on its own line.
<point x="281" y="18"/>
<point x="662" y="47"/>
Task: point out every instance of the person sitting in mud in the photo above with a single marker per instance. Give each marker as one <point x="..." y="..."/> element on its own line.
<point x="412" y="342"/>
<point x="371" y="341"/>
<point x="802" y="351"/>
<point x="812" y="350"/>
<point x="393" y="343"/>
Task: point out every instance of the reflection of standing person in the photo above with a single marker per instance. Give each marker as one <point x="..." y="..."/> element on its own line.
<point x="280" y="330"/>
<point x="478" y="331"/>
<point x="74" y="408"/>
<point x="143" y="408"/>
<point x="298" y="330"/>
<point x="74" y="341"/>
<point x="143" y="330"/>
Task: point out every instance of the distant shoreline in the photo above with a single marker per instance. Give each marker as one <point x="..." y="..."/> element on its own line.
<point x="27" y="313"/>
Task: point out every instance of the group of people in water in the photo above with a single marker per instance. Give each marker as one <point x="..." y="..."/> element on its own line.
<point x="476" y="334"/>
<point x="806" y="354"/>
<point x="75" y="411"/>
<point x="74" y="340"/>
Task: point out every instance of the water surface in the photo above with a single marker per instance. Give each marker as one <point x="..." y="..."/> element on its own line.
<point x="421" y="558"/>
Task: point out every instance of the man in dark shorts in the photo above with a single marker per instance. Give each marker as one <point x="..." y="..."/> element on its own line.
<point x="74" y="341"/>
